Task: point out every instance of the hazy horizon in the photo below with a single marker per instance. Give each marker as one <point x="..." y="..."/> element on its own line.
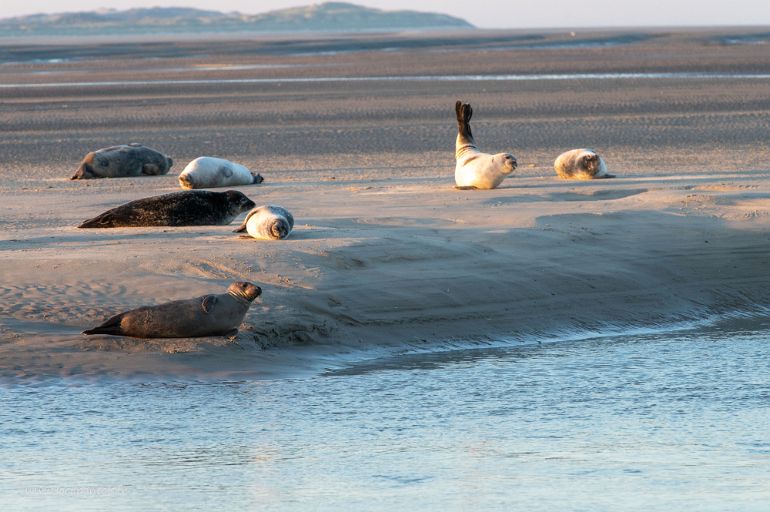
<point x="485" y="14"/>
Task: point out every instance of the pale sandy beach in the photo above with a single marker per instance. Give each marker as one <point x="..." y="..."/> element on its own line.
<point x="385" y="254"/>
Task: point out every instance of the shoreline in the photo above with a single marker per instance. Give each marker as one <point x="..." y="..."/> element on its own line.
<point x="532" y="258"/>
<point x="384" y="251"/>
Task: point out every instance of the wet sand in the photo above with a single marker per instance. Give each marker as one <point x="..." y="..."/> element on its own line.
<point x="385" y="255"/>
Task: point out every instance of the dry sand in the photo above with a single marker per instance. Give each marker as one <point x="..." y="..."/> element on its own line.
<point x="385" y="254"/>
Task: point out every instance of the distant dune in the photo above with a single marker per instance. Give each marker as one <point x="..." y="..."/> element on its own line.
<point x="324" y="17"/>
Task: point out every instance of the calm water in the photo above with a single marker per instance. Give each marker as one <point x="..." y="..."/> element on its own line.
<point x="663" y="422"/>
<point x="411" y="78"/>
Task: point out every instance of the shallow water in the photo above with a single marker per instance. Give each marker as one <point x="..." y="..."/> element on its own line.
<point x="406" y="78"/>
<point x="645" y="422"/>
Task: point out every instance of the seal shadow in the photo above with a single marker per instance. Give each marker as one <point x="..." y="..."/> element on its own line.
<point x="301" y="234"/>
<point x="594" y="195"/>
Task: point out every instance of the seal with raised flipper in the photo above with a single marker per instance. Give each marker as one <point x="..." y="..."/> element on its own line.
<point x="209" y="315"/>
<point x="123" y="161"/>
<point x="186" y="208"/>
<point x="268" y="222"/>
<point x="581" y="164"/>
<point x="211" y="172"/>
<point x="474" y="169"/>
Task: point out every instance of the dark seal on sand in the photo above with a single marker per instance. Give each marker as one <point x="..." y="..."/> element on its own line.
<point x="209" y="315"/>
<point x="123" y="161"/>
<point x="188" y="208"/>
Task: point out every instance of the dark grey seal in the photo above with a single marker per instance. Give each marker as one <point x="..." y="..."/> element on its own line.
<point x="123" y="161"/>
<point x="209" y="315"/>
<point x="188" y="208"/>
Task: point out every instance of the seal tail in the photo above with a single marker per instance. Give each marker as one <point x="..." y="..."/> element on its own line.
<point x="465" y="139"/>
<point x="111" y="326"/>
<point x="257" y="178"/>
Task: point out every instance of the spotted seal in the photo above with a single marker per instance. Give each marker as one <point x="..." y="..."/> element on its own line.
<point x="209" y="315"/>
<point x="210" y="172"/>
<point x="123" y="161"/>
<point x="581" y="164"/>
<point x="268" y="222"/>
<point x="474" y="169"/>
<point x="186" y="208"/>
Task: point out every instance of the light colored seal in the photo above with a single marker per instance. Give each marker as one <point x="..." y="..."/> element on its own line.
<point x="210" y="172"/>
<point x="123" y="161"/>
<point x="210" y="315"/>
<point x="475" y="169"/>
<point x="268" y="223"/>
<point x="581" y="164"/>
<point x="187" y="208"/>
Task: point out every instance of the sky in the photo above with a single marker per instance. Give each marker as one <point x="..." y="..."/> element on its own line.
<point x="482" y="13"/>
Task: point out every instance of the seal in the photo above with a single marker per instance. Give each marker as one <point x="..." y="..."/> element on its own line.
<point x="209" y="315"/>
<point x="268" y="223"/>
<point x="581" y="164"/>
<point x="474" y="169"/>
<point x="210" y="172"/>
<point x="187" y="208"/>
<point x="123" y="161"/>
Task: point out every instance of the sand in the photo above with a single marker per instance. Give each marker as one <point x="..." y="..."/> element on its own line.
<point x="385" y="255"/>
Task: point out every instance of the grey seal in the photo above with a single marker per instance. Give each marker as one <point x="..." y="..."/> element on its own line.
<point x="474" y="169"/>
<point x="209" y="315"/>
<point x="211" y="172"/>
<point x="123" y="161"/>
<point x="268" y="222"/>
<point x="581" y="164"/>
<point x="186" y="208"/>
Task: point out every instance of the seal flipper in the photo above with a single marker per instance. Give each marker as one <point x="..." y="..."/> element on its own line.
<point x="208" y="302"/>
<point x="257" y="178"/>
<point x="464" y="112"/>
<point x="242" y="227"/>
<point x="111" y="326"/>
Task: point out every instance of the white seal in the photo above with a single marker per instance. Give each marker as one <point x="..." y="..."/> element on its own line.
<point x="475" y="169"/>
<point x="268" y="222"/>
<point x="581" y="164"/>
<point x="210" y="172"/>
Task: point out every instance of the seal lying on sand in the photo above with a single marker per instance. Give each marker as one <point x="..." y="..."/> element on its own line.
<point x="475" y="169"/>
<point x="268" y="222"/>
<point x="123" y="161"/>
<point x="210" y="172"/>
<point x="581" y="164"/>
<point x="188" y="208"/>
<point x="210" y="315"/>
